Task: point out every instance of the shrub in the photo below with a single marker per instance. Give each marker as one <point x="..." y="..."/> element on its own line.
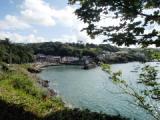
<point x="28" y="86"/>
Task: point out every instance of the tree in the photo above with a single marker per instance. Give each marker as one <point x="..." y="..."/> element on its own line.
<point x="135" y="17"/>
<point x="138" y="20"/>
<point x="15" y="53"/>
<point x="148" y="97"/>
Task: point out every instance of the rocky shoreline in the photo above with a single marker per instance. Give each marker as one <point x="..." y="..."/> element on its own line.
<point x="45" y="84"/>
<point x="37" y="68"/>
<point x="33" y="71"/>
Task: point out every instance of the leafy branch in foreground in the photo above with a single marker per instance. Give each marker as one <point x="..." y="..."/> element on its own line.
<point x="138" y="20"/>
<point x="148" y="97"/>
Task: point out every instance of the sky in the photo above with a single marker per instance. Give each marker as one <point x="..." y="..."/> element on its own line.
<point x="31" y="21"/>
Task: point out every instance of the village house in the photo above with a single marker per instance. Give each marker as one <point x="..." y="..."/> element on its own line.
<point x="55" y="59"/>
<point x="106" y="55"/>
<point x="120" y="53"/>
<point x="40" y="58"/>
<point x="69" y="59"/>
<point x="48" y="58"/>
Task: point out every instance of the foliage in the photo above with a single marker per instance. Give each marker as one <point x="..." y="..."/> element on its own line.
<point x="77" y="114"/>
<point x="106" y="68"/>
<point x="70" y="49"/>
<point x="152" y="54"/>
<point x="18" y="87"/>
<point x="133" y="16"/>
<point x="23" y="53"/>
<point x="148" y="96"/>
<point x="155" y="55"/>
<point x="26" y="66"/>
<point x="10" y="111"/>
<point x="26" y="85"/>
<point x="21" y="99"/>
<point x="15" y="53"/>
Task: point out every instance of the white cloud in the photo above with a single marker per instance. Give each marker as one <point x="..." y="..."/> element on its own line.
<point x="78" y="37"/>
<point x="37" y="12"/>
<point x="17" y="38"/>
<point x="35" y="31"/>
<point x="32" y="12"/>
<point x="12" y="22"/>
<point x="65" y="16"/>
<point x="40" y="12"/>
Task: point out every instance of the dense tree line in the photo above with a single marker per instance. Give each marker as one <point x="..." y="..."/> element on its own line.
<point x="71" y="49"/>
<point x="92" y="50"/>
<point x="24" y="53"/>
<point x="15" y="53"/>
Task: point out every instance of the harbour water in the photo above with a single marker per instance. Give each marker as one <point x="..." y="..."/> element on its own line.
<point x="92" y="89"/>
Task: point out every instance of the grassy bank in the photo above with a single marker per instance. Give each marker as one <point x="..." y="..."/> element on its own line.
<point x="22" y="98"/>
<point x="20" y="88"/>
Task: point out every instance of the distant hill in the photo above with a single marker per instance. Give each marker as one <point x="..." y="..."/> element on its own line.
<point x="24" y="53"/>
<point x="71" y="49"/>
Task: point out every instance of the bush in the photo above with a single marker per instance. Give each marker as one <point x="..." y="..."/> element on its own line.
<point x="27" y="86"/>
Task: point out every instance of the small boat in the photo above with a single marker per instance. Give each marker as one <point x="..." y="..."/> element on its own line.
<point x="137" y="67"/>
<point x="155" y="97"/>
<point x="134" y="71"/>
<point x="110" y="78"/>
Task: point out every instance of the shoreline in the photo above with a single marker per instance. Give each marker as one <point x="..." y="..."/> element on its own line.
<point x="45" y="85"/>
<point x="51" y="91"/>
<point x="22" y="88"/>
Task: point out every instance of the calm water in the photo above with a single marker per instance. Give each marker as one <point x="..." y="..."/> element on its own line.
<point x="93" y="89"/>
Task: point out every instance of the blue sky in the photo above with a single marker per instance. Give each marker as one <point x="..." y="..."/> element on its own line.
<point x="39" y="21"/>
<point x="26" y="21"/>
